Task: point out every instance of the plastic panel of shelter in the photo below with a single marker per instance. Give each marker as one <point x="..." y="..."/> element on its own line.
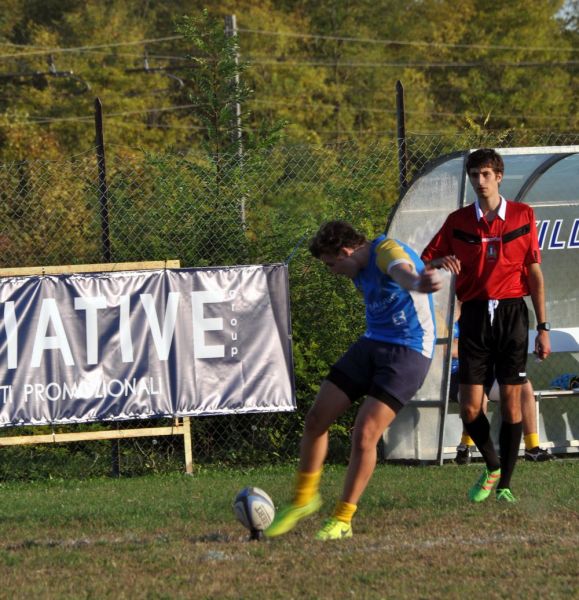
<point x="554" y="196"/>
<point x="553" y="192"/>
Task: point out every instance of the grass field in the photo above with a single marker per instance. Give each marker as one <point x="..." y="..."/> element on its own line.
<point x="175" y="537"/>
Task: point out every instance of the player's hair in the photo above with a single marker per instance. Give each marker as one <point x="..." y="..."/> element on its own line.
<point x="485" y="157"/>
<point x="333" y="236"/>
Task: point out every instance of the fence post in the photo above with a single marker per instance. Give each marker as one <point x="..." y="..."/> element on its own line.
<point x="401" y="128"/>
<point x="103" y="189"/>
<point x="105" y="235"/>
<point x="231" y="31"/>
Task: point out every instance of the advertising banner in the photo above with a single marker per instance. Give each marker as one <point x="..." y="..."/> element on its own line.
<point x="141" y="344"/>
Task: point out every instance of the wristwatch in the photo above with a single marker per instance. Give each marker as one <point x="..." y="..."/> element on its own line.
<point x="545" y="326"/>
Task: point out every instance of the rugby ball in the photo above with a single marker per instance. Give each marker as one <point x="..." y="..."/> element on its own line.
<point x="254" y="509"/>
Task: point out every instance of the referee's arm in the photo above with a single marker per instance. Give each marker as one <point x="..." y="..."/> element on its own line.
<point x="537" y="291"/>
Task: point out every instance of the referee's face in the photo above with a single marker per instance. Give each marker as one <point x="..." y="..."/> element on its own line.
<point x="485" y="182"/>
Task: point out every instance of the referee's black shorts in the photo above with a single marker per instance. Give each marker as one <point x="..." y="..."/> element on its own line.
<point x="493" y="338"/>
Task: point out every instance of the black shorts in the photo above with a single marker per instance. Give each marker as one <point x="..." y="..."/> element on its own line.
<point x="388" y="372"/>
<point x="453" y="386"/>
<point x="500" y="346"/>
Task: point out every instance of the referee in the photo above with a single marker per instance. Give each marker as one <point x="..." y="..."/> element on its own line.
<point x="492" y="248"/>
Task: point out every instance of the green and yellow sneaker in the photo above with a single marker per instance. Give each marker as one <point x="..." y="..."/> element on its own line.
<point x="287" y="518"/>
<point x="332" y="529"/>
<point x="481" y="490"/>
<point x="505" y="495"/>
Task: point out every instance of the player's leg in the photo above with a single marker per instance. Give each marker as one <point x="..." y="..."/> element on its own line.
<point x="347" y="380"/>
<point x="464" y="449"/>
<point x="398" y="374"/>
<point x="533" y="452"/>
<point x="331" y="402"/>
<point x="466" y="444"/>
<point x="372" y="420"/>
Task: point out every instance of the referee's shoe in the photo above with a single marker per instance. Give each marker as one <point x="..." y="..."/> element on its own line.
<point x="538" y="454"/>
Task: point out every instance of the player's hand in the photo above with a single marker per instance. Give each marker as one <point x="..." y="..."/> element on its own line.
<point x="429" y="281"/>
<point x="449" y="263"/>
<point x="542" y="345"/>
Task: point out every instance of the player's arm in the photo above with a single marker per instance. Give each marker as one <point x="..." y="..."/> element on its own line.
<point x="393" y="260"/>
<point x="537" y="291"/>
<point x="406" y="277"/>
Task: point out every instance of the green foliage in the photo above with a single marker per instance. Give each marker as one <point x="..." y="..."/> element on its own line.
<point x="217" y="88"/>
<point x="509" y="64"/>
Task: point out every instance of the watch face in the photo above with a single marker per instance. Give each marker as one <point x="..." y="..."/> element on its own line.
<point x="544" y="326"/>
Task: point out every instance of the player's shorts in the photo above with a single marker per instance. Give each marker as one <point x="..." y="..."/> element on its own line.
<point x="389" y="372"/>
<point x="500" y="346"/>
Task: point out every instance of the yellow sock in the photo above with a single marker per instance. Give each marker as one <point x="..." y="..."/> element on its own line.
<point x="466" y="440"/>
<point x="531" y="440"/>
<point x="345" y="511"/>
<point x="307" y="485"/>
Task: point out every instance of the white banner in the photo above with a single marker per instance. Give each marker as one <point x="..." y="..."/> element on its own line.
<point x="140" y="344"/>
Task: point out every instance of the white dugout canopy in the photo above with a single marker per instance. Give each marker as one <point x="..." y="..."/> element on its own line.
<point x="546" y="178"/>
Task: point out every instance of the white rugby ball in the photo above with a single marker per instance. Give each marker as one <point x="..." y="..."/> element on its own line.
<point x="253" y="508"/>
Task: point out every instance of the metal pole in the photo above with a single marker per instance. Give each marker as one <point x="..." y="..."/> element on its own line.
<point x="237" y="139"/>
<point x="105" y="236"/>
<point x="231" y="31"/>
<point x="450" y="327"/>
<point x="401" y="127"/>
<point x="103" y="189"/>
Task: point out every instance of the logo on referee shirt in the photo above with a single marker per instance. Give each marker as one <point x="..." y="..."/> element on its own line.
<point x="491" y="252"/>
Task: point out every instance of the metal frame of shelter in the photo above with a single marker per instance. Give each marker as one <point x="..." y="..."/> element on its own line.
<point x="180" y="426"/>
<point x="438" y="189"/>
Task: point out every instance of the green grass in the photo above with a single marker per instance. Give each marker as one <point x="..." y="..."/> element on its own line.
<point x="174" y="536"/>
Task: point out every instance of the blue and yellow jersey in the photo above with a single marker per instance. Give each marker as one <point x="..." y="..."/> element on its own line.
<point x="393" y="314"/>
<point x="454" y="360"/>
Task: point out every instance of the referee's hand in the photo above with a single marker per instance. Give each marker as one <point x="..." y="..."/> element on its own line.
<point x="449" y="263"/>
<point x="542" y="345"/>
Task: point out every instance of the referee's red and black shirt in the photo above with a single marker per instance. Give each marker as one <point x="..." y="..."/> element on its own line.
<point x="494" y="256"/>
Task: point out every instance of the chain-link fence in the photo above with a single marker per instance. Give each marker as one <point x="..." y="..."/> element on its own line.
<point x="214" y="211"/>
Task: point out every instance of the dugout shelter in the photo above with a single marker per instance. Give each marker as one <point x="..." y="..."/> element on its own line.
<point x="546" y="178"/>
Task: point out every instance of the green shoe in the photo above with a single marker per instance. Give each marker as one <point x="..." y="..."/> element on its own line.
<point x="287" y="518"/>
<point x="481" y="490"/>
<point x="333" y="529"/>
<point x="505" y="495"/>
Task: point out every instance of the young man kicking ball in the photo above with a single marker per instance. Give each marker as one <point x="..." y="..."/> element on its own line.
<point x="387" y="364"/>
